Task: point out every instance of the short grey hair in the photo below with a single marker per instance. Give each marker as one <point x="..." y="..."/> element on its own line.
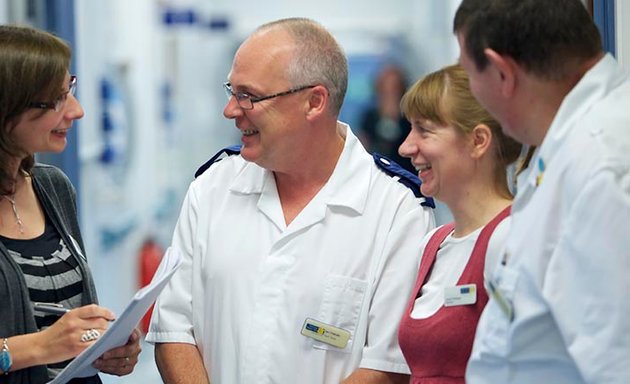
<point x="317" y="59"/>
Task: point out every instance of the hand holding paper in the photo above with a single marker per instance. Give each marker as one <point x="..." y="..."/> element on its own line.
<point x="120" y="330"/>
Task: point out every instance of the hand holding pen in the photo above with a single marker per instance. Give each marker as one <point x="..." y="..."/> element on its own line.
<point x="75" y="330"/>
<point x="118" y="361"/>
<point x="59" y="310"/>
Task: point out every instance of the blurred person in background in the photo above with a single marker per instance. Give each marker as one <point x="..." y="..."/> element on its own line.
<point x="383" y="126"/>
<point x="41" y="249"/>
<point x="462" y="158"/>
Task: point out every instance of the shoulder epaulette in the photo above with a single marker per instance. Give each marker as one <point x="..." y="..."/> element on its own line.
<point x="231" y="150"/>
<point x="404" y="177"/>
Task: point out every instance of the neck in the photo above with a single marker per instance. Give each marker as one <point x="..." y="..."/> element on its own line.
<point x="545" y="99"/>
<point x="479" y="203"/>
<point x="12" y="209"/>
<point x="19" y="178"/>
<point x="315" y="165"/>
<point x="298" y="186"/>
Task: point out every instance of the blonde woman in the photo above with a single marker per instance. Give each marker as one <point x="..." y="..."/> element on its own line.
<point x="461" y="156"/>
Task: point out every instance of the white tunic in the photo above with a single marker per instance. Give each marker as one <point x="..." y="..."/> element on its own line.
<point x="567" y="257"/>
<point x="249" y="282"/>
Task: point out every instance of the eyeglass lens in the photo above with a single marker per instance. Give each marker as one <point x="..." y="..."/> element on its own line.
<point x="72" y="87"/>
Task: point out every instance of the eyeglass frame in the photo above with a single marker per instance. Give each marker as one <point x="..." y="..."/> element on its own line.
<point x="242" y="96"/>
<point x="60" y="101"/>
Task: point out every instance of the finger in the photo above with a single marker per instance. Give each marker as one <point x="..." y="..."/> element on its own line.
<point x="128" y="350"/>
<point x="116" y="364"/>
<point x="89" y="336"/>
<point x="135" y="335"/>
<point x="94" y="311"/>
<point x="117" y="367"/>
<point x="131" y="349"/>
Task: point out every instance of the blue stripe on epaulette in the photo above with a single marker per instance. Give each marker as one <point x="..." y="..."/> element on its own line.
<point x="231" y="150"/>
<point x="405" y="177"/>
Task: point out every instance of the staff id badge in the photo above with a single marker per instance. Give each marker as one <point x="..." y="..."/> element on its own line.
<point x="325" y="333"/>
<point x="460" y="295"/>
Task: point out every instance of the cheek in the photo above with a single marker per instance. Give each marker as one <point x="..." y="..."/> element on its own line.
<point x="428" y="147"/>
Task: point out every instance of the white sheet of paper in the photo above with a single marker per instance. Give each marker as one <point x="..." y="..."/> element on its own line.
<point x="121" y="328"/>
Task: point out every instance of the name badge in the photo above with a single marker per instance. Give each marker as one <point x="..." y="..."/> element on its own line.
<point x="325" y="333"/>
<point x="460" y="295"/>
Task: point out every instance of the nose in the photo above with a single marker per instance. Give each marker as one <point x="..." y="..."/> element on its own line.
<point x="408" y="148"/>
<point x="73" y="109"/>
<point x="232" y="110"/>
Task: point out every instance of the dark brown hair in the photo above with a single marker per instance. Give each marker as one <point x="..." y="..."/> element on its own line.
<point x="33" y="66"/>
<point x="550" y="39"/>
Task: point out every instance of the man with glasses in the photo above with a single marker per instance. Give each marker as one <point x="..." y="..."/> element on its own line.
<point x="299" y="252"/>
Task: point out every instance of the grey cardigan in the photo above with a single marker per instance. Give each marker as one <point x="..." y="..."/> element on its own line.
<point x="58" y="199"/>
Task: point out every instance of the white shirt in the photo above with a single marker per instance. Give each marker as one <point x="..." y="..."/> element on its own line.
<point x="568" y="252"/>
<point x="248" y="281"/>
<point x="450" y="262"/>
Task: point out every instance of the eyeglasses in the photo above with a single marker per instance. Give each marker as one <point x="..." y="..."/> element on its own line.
<point x="246" y="101"/>
<point x="60" y="101"/>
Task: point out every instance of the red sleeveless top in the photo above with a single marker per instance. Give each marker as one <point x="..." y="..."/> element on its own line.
<point x="437" y="348"/>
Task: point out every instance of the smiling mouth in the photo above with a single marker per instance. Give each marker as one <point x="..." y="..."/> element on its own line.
<point x="249" y="132"/>
<point x="423" y="167"/>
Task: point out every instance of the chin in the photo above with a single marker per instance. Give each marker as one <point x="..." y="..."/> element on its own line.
<point x="249" y="154"/>
<point x="54" y="149"/>
<point x="426" y="192"/>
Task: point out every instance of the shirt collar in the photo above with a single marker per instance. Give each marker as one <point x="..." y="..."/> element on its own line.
<point x="348" y="185"/>
<point x="593" y="86"/>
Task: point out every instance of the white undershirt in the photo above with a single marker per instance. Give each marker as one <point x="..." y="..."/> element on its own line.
<point x="450" y="262"/>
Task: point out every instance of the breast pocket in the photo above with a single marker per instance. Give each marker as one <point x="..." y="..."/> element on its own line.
<point x="341" y="306"/>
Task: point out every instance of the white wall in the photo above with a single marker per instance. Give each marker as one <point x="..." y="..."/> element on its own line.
<point x="3" y="12"/>
<point x="425" y="24"/>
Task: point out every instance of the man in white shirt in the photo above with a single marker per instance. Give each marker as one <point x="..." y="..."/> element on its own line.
<point x="299" y="252"/>
<point x="559" y="308"/>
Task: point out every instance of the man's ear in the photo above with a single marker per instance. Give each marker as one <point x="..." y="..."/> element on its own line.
<point x="505" y="71"/>
<point x="317" y="101"/>
<point x="480" y="140"/>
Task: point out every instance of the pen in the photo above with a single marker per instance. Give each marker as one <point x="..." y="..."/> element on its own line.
<point x="55" y="309"/>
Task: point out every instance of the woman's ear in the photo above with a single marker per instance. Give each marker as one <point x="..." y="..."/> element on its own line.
<point x="480" y="140"/>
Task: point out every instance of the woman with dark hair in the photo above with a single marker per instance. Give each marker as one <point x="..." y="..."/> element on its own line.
<point x="42" y="264"/>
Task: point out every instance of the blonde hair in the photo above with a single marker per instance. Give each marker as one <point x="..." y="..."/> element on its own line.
<point x="444" y="97"/>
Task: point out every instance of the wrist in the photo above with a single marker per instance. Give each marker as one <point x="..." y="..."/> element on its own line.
<point x="26" y="350"/>
<point x="5" y="357"/>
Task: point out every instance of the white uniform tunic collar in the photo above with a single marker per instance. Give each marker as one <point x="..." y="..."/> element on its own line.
<point x="252" y="179"/>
